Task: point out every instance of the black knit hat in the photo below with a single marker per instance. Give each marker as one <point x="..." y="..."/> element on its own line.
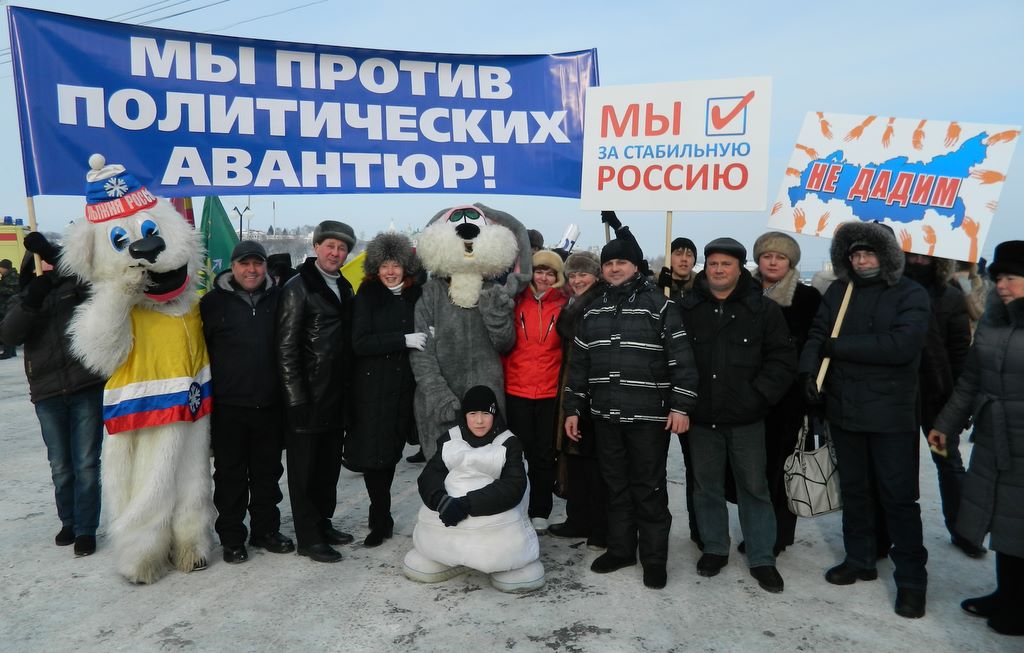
<point x="480" y="398"/>
<point x="620" y="248"/>
<point x="728" y="246"/>
<point x="1009" y="259"/>
<point x="684" y="243"/>
<point x="6" y="263"/>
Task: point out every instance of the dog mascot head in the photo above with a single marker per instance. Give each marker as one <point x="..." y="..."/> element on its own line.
<point x="133" y="241"/>
<point x="468" y="244"/>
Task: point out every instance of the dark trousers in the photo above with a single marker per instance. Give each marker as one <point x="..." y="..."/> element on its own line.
<point x="781" y="431"/>
<point x="889" y="461"/>
<point x="314" y="464"/>
<point x="533" y="422"/>
<point x="742" y="446"/>
<point x="586" y="501"/>
<point x="633" y="459"/>
<point x="691" y="484"/>
<point x="951" y="472"/>
<point x="247" y="469"/>
<point x="378" y="488"/>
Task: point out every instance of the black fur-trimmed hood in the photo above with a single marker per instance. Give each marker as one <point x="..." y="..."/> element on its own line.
<point x="879" y="237"/>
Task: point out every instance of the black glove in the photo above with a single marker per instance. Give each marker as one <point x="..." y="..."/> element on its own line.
<point x="665" y="278"/>
<point x="812" y="396"/>
<point x="298" y="416"/>
<point x="610" y="219"/>
<point x="36" y="291"/>
<point x="36" y="243"/>
<point x="452" y="510"/>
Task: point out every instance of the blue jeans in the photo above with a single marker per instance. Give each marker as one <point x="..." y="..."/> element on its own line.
<point x="743" y="445"/>
<point x="72" y="427"/>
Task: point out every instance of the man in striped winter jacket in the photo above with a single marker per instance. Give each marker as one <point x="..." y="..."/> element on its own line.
<point x="633" y="369"/>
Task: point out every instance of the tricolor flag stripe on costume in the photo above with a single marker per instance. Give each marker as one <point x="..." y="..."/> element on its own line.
<point x="156" y="418"/>
<point x="152" y="402"/>
<point x="131" y="391"/>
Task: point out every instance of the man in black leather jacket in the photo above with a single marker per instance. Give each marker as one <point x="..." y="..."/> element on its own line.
<point x="314" y="323"/>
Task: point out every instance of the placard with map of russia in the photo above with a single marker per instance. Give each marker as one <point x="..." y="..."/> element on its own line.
<point x="936" y="183"/>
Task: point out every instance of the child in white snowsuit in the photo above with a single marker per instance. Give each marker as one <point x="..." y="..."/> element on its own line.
<point x="475" y="495"/>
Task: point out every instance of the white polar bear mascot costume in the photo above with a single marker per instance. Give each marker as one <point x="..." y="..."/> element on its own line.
<point x="141" y="328"/>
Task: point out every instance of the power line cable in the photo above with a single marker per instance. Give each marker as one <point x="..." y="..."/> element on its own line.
<point x="276" y="13"/>
<point x="187" y="11"/>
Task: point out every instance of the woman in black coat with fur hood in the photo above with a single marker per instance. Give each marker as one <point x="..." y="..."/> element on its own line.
<point x="382" y="336"/>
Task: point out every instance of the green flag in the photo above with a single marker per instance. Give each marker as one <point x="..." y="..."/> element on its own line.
<point x="219" y="238"/>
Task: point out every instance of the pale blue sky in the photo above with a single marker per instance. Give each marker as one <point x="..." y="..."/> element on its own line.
<point x="932" y="59"/>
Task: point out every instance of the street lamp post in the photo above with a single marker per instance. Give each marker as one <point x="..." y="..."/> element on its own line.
<point x="241" y="213"/>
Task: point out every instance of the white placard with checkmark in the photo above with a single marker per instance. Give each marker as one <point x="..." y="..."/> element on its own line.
<point x="680" y="146"/>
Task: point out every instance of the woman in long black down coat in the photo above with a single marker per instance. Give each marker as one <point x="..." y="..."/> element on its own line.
<point x="777" y="256"/>
<point x="382" y="336"/>
<point x="991" y="389"/>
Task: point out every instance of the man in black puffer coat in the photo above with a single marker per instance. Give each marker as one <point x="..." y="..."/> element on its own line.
<point x="314" y="338"/>
<point x="746" y="363"/>
<point x="246" y="429"/>
<point x="632" y="368"/>
<point x="870" y="402"/>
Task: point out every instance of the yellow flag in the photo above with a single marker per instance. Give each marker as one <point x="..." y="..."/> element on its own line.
<point x="353" y="270"/>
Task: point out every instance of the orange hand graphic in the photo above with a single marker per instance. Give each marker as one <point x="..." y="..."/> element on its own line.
<point x="952" y="134"/>
<point x="917" y="140"/>
<point x="992" y="206"/>
<point x="793" y="172"/>
<point x="988" y="176"/>
<point x="856" y="132"/>
<point x="887" y="136"/>
<point x="1003" y="137"/>
<point x="799" y="220"/>
<point x="905" y="240"/>
<point x="776" y="207"/>
<point x="810" y="151"/>
<point x="970" y="228"/>
<point x="822" y="222"/>
<point x="929" y="238"/>
<point x="826" y="131"/>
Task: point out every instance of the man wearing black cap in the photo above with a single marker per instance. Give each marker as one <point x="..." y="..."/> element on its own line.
<point x="746" y="363"/>
<point x="679" y="275"/>
<point x="314" y="327"/>
<point x="632" y="368"/>
<point x="870" y="397"/>
<point x="246" y="429"/>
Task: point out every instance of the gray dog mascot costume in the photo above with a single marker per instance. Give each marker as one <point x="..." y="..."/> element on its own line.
<point x="466" y="315"/>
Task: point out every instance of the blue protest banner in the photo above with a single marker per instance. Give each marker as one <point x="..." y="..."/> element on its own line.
<point x="199" y="114"/>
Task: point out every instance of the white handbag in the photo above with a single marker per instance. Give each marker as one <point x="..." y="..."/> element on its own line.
<point x="811" y="477"/>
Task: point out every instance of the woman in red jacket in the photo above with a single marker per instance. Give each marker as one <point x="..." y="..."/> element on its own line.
<point x="531" y="378"/>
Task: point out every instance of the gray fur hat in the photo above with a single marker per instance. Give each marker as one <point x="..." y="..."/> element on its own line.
<point x="776" y="241"/>
<point x="875" y="236"/>
<point x="583" y="261"/>
<point x="391" y="246"/>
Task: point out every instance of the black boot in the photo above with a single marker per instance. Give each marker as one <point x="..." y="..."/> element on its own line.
<point x="1010" y="586"/>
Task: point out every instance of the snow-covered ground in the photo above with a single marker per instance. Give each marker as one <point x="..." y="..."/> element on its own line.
<point x="51" y="601"/>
